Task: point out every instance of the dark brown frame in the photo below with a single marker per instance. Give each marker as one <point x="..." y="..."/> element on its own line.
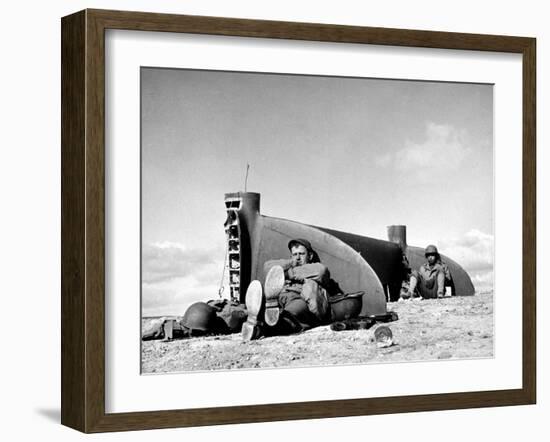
<point x="83" y="217"/>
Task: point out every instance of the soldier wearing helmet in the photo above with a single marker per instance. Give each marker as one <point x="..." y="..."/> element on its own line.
<point x="429" y="281"/>
<point x="295" y="295"/>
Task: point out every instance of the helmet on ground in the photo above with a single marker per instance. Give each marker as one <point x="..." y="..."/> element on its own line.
<point x="431" y="250"/>
<point x="344" y="307"/>
<point x="200" y="316"/>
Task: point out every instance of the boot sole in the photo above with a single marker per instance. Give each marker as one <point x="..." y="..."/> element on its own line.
<point x="253" y="300"/>
<point x="274" y="283"/>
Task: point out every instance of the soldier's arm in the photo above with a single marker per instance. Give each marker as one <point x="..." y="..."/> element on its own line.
<point x="441" y="283"/>
<point x="315" y="271"/>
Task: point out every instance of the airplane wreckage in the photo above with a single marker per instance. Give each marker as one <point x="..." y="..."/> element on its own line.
<point x="357" y="263"/>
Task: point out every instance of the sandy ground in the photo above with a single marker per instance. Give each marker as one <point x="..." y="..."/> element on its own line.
<point x="448" y="328"/>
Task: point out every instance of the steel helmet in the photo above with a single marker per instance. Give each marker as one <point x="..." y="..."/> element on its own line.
<point x="304" y="242"/>
<point x="300" y="242"/>
<point x="431" y="250"/>
<point x="200" y="316"/>
<point x="347" y="306"/>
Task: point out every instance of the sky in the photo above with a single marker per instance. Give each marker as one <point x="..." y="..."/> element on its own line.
<point x="351" y="154"/>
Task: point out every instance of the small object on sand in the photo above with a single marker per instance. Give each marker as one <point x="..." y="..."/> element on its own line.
<point x="383" y="336"/>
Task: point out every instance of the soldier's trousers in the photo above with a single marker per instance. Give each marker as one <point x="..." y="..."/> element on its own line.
<point x="310" y="306"/>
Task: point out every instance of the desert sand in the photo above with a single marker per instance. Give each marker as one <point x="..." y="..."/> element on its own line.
<point x="447" y="328"/>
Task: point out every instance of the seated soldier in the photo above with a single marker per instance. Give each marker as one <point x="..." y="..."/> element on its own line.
<point x="299" y="294"/>
<point x="430" y="280"/>
<point x="295" y="295"/>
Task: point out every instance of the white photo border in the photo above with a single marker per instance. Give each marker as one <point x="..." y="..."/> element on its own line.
<point x="127" y="391"/>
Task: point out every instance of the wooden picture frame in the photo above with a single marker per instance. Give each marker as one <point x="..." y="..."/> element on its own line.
<point x="83" y="220"/>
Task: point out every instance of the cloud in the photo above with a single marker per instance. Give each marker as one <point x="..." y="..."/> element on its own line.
<point x="483" y="281"/>
<point x="174" y="276"/>
<point x="443" y="146"/>
<point x="174" y="296"/>
<point x="167" y="260"/>
<point x="475" y="253"/>
<point x="383" y="160"/>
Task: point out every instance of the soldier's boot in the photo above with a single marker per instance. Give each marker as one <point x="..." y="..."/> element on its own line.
<point x="274" y="283"/>
<point x="254" y="299"/>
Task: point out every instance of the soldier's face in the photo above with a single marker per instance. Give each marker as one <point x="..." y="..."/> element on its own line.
<point x="299" y="255"/>
<point x="431" y="259"/>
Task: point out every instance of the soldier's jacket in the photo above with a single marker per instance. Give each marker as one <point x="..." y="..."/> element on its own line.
<point x="295" y="276"/>
<point x="428" y="273"/>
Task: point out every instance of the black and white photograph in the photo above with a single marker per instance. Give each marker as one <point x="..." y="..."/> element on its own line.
<point x="300" y="220"/>
<point x="246" y="221"/>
